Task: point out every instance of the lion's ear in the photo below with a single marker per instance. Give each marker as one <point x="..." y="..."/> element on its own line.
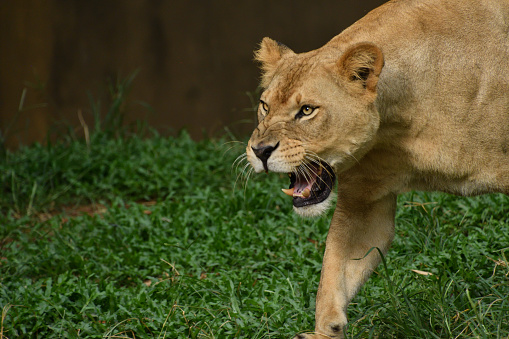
<point x="362" y="64"/>
<point x="269" y="54"/>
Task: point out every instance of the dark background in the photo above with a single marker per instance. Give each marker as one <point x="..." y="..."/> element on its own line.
<point x="194" y="58"/>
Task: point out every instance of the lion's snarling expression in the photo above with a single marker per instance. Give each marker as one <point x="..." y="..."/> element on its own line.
<point x="312" y="186"/>
<point x="316" y="117"/>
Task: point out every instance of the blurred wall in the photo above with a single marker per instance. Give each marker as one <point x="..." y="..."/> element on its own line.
<point x="195" y="58"/>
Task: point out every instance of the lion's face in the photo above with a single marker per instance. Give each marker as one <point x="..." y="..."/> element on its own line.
<point x="316" y="118"/>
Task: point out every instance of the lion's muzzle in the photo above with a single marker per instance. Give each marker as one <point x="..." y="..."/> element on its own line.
<point x="263" y="153"/>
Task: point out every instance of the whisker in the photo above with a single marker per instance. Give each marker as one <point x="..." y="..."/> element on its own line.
<point x="240" y="175"/>
<point x="237" y="144"/>
<point x="233" y="142"/>
<point x="239" y="160"/>
<point x="243" y="171"/>
<point x="308" y="156"/>
<point x="301" y="171"/>
<point x="249" y="172"/>
<point x="313" y="156"/>
<point x="306" y="172"/>
<point x="309" y="169"/>
<point x="245" y="166"/>
<point x="317" y="176"/>
<point x="351" y="155"/>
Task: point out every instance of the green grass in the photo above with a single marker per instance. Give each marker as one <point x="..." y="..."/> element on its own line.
<point x="464" y="243"/>
<point x="210" y="257"/>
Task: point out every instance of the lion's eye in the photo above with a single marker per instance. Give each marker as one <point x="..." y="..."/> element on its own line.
<point x="264" y="107"/>
<point x="305" y="110"/>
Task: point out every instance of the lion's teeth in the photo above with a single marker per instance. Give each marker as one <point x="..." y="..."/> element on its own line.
<point x="291" y="192"/>
<point x="288" y="191"/>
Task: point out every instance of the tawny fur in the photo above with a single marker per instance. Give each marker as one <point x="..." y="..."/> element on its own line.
<point x="415" y="95"/>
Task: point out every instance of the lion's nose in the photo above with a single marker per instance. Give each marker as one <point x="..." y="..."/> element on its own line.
<point x="263" y="153"/>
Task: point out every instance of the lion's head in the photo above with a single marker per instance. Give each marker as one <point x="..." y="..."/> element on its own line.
<point x="316" y="117"/>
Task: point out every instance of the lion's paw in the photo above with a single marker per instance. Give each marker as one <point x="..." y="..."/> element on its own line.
<point x="304" y="336"/>
<point x="315" y="336"/>
<point x="336" y="332"/>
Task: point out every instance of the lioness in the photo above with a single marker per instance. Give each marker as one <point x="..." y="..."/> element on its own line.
<point x="414" y="96"/>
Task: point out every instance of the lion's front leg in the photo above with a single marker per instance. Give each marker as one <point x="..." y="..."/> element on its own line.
<point x="356" y="228"/>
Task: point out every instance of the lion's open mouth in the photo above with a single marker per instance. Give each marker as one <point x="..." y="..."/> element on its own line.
<point x="311" y="187"/>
